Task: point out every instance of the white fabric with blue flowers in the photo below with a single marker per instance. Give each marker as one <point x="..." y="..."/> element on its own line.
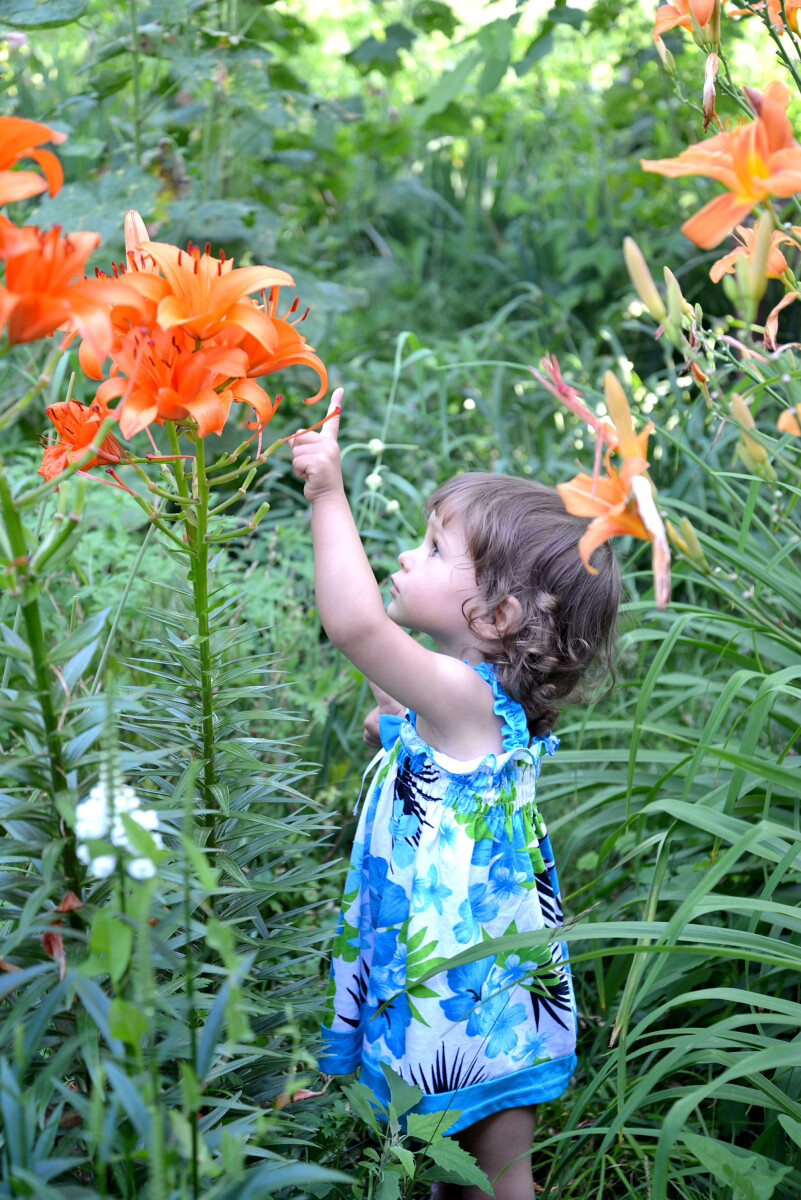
<point x="443" y="860"/>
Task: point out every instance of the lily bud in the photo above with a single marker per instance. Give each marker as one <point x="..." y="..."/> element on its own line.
<point x="758" y="264"/>
<point x="642" y="280"/>
<point x="708" y="97"/>
<point x="135" y="231"/>
<point x="685" y="539"/>
<point x="618" y="408"/>
<point x="675" y="300"/>
<point x="667" y="59"/>
<point x="750" y="452"/>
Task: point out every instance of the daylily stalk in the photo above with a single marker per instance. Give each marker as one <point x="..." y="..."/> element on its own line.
<point x="31" y="616"/>
<point x="196" y="532"/>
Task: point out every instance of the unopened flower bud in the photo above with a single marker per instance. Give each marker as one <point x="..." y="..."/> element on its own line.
<point x="375" y="446"/>
<point x="758" y="264"/>
<point x="750" y="452"/>
<point x="708" y="96"/>
<point x="135" y="231"/>
<point x="392" y="507"/>
<point x="641" y="277"/>
<point x="668" y="61"/>
<point x="685" y="539"/>
<point x="675" y="300"/>
<point x="373" y="482"/>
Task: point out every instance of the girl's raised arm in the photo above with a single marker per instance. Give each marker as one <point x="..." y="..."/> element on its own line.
<point x="451" y="698"/>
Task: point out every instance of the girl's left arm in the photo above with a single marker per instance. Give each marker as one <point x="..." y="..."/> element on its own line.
<point x="441" y="689"/>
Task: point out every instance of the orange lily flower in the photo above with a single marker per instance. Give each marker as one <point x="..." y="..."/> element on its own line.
<point x="289" y="349"/>
<point x="754" y="161"/>
<point x="699" y="17"/>
<point x="621" y="502"/>
<point x="774" y="11"/>
<point x="790" y="421"/>
<point x="205" y="295"/>
<point x="43" y="293"/>
<point x="76" y="426"/>
<point x="19" y="139"/>
<point x="777" y="263"/>
<point x="160" y="377"/>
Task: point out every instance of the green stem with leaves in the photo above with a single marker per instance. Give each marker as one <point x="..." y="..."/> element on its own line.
<point x="197" y="522"/>
<point x="32" y="620"/>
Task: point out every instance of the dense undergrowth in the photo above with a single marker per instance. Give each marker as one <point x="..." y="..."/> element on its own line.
<point x="446" y="229"/>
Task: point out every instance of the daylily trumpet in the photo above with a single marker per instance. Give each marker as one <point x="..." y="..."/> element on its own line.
<point x="621" y="502"/>
<point x="753" y="161"/>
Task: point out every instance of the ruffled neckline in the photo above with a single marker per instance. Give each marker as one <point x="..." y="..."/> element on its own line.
<point x="514" y="732"/>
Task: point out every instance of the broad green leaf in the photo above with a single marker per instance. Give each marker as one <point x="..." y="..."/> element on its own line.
<point x="110" y="941"/>
<point x="403" y="1095"/>
<point x="126" y="1021"/>
<point x="791" y="1128"/>
<point x="448" y="1154"/>
<point x="359" y="1098"/>
<point x="389" y="1185"/>
<point x="750" y="1176"/>
<point x="40" y="14"/>
<point x="449" y="86"/>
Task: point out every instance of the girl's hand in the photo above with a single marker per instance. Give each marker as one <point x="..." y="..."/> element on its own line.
<point x="315" y="456"/>
<point x="385" y="705"/>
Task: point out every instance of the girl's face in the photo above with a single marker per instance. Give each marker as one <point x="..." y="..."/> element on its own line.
<point x="436" y="581"/>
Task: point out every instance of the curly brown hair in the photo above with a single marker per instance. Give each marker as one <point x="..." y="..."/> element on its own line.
<point x="524" y="544"/>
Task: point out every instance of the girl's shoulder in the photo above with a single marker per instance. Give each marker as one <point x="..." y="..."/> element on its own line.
<point x="515" y="738"/>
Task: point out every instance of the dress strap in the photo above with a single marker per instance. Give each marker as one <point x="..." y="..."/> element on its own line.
<point x="514" y="733"/>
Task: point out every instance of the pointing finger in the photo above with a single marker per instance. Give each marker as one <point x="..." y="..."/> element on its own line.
<point x="331" y="428"/>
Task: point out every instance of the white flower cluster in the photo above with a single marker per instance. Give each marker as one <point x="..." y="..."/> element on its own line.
<point x="99" y="816"/>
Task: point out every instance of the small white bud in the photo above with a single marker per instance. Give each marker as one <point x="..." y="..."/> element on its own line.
<point x="102" y="866"/>
<point x="392" y="506"/>
<point x="375" y="446"/>
<point x="141" y="868"/>
<point x="373" y="482"/>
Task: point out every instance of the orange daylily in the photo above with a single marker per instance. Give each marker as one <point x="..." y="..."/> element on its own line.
<point x="774" y="11"/>
<point x="790" y="421"/>
<point x="161" y="377"/>
<point x="76" y="426"/>
<point x="19" y="138"/>
<point x="753" y="160"/>
<point x="777" y="263"/>
<point x="699" y="17"/>
<point x="621" y="502"/>
<point x="289" y="349"/>
<point x="204" y="295"/>
<point x="45" y="289"/>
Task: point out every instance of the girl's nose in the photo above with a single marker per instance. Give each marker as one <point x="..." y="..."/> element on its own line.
<point x="405" y="559"/>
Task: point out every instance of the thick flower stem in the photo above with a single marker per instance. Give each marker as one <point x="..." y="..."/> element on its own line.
<point x="32" y="619"/>
<point x="200" y="591"/>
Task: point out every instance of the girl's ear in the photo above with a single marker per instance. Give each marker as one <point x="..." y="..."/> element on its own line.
<point x="508" y="615"/>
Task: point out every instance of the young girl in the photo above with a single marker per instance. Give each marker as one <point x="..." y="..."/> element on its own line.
<point x="451" y="849"/>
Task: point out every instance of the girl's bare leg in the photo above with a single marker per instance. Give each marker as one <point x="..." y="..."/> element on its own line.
<point x="499" y="1143"/>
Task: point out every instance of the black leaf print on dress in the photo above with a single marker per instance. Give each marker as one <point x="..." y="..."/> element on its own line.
<point x="409" y="791"/>
<point x="550" y="903"/>
<point x="549" y="991"/>
<point x="359" y="996"/>
<point x="444" y="1079"/>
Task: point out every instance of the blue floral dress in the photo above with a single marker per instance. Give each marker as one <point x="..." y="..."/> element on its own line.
<point x="447" y="855"/>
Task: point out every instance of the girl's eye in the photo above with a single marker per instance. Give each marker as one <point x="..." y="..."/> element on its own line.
<point x="434" y="551"/>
